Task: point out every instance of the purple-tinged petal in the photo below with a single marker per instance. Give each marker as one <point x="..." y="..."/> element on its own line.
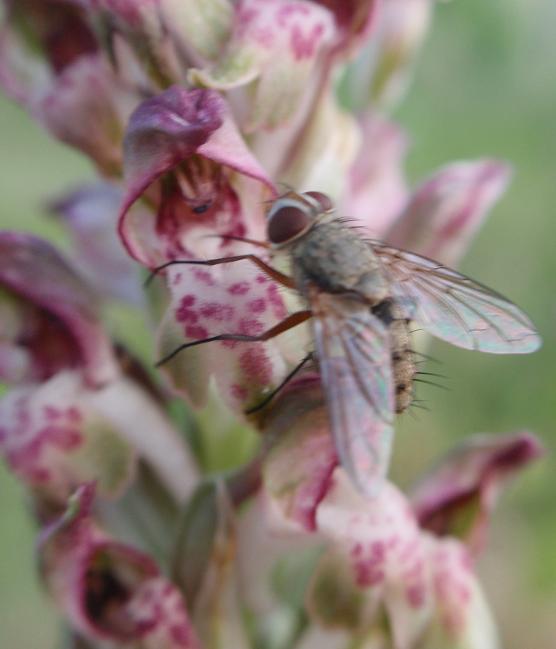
<point x="190" y="134"/>
<point x="376" y="189"/>
<point x="91" y="213"/>
<point x="457" y="497"/>
<point x="87" y="109"/>
<point x="298" y="470"/>
<point x="461" y="616"/>
<point x="222" y="300"/>
<point x="385" y="556"/>
<point x="444" y="213"/>
<point x="276" y="45"/>
<point x="63" y="328"/>
<point x="53" y="440"/>
<point x="110" y="592"/>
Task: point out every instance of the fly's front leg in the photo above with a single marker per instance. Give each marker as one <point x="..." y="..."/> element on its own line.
<point x="292" y="320"/>
<point x="269" y="271"/>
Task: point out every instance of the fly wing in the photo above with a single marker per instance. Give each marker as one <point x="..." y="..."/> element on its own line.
<point x="454" y="307"/>
<point x="353" y="349"/>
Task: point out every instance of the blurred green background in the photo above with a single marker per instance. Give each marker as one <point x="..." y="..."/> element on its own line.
<point x="485" y="85"/>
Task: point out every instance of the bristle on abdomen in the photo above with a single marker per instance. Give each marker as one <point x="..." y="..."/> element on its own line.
<point x="403" y="365"/>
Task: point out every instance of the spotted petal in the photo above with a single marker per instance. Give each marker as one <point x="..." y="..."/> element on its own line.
<point x="275" y="48"/>
<point x="53" y="440"/>
<point x="231" y="299"/>
<point x="382" y="558"/>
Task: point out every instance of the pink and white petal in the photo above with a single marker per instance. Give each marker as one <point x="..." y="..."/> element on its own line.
<point x="276" y="45"/>
<point x="298" y="469"/>
<point x="462" y="618"/>
<point x="110" y="592"/>
<point x="192" y="130"/>
<point x="446" y="211"/>
<point x="33" y="269"/>
<point x="86" y="108"/>
<point x="90" y="213"/>
<point x="53" y="440"/>
<point x="457" y="497"/>
<point x="380" y="542"/>
<point x="377" y="189"/>
<point x="222" y="300"/>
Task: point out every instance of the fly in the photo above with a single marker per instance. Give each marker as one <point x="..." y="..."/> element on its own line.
<point x="360" y="296"/>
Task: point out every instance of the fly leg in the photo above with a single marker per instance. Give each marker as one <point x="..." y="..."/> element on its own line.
<point x="274" y="392"/>
<point x="290" y="321"/>
<point x="269" y="271"/>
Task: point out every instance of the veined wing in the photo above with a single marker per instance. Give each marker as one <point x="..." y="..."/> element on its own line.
<point x="454" y="307"/>
<point x="353" y="349"/>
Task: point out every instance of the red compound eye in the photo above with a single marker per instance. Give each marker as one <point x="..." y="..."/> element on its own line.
<point x="324" y="201"/>
<point x="287" y="222"/>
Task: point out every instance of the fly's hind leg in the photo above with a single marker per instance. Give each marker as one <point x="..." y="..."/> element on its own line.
<point x="290" y="321"/>
<point x="282" y="385"/>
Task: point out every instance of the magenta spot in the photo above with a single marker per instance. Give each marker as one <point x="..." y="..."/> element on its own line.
<point x="255" y="364"/>
<point x="416" y="595"/>
<point x="185" y="315"/>
<point x="177" y="279"/>
<point x="188" y="300"/>
<point x="196" y="332"/>
<point x="40" y="475"/>
<point x="257" y="306"/>
<point x="367" y="574"/>
<point x="357" y="550"/>
<point x="50" y="412"/>
<point x="276" y="301"/>
<point x="262" y="279"/>
<point x="74" y="415"/>
<point x="378" y="550"/>
<point x="239" y="392"/>
<point x="217" y="311"/>
<point x="250" y="327"/>
<point x="203" y="276"/>
<point x="240" y="288"/>
<point x="304" y="45"/>
<point x="181" y="635"/>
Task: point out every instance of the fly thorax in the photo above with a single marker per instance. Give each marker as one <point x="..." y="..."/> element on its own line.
<point x="403" y="364"/>
<point x="334" y="258"/>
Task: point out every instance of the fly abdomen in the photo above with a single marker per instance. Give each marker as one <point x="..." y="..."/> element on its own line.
<point x="403" y="365"/>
